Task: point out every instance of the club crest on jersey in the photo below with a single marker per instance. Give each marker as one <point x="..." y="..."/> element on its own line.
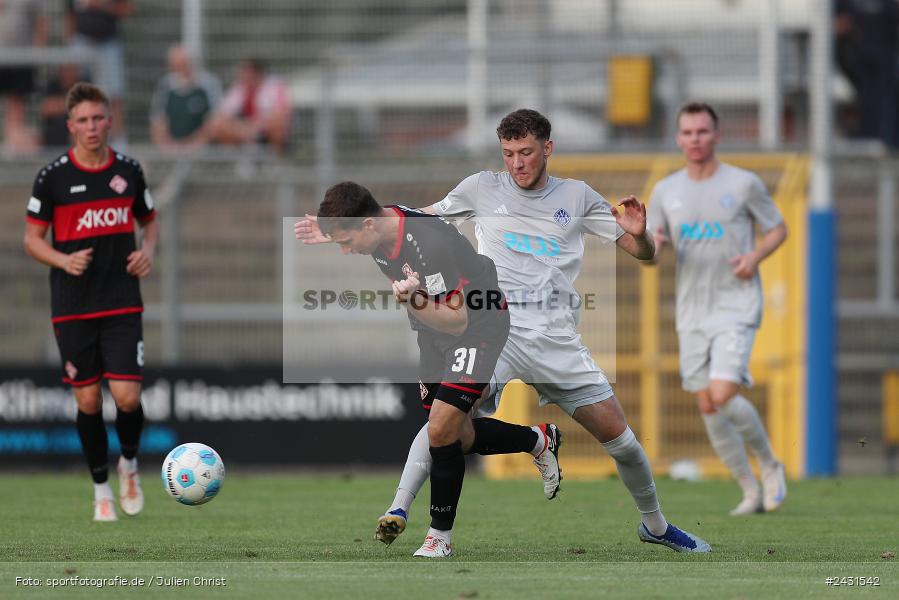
<point x="407" y="270"/>
<point x="118" y="183"/>
<point x="562" y="217"/>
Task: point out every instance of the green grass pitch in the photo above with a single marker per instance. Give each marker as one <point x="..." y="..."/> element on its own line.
<point x="310" y="536"/>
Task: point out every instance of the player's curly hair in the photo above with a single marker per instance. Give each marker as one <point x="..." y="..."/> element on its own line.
<point x="84" y="92"/>
<point x="346" y="205"/>
<point x="520" y="123"/>
<point x="695" y="108"/>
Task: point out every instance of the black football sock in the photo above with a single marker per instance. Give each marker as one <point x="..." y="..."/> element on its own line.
<point x="447" y="473"/>
<point x="94" y="444"/>
<point x="129" y="426"/>
<point x="498" y="437"/>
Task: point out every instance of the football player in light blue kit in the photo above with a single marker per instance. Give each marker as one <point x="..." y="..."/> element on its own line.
<point x="532" y="225"/>
<point x="708" y="212"/>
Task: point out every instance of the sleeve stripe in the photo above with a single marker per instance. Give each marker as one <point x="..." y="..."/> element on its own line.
<point x="36" y="221"/>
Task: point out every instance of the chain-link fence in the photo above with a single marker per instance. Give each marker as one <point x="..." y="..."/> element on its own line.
<point x="432" y="76"/>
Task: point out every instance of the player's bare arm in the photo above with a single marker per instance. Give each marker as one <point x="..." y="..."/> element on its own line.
<point x="37" y="247"/>
<point x="630" y="214"/>
<point x="140" y="262"/>
<point x="448" y="317"/>
<point x="307" y="231"/>
<point x="744" y="266"/>
<point x="660" y="240"/>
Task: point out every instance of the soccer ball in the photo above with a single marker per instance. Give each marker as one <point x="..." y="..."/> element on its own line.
<point x="193" y="473"/>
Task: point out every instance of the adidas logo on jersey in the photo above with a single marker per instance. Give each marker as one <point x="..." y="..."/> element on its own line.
<point x="103" y="217"/>
<point x="502" y="210"/>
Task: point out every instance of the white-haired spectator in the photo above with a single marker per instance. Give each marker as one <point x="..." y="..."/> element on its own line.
<point x="184" y="103"/>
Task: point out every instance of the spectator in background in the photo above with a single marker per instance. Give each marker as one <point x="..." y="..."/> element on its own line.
<point x="867" y="44"/>
<point x="22" y="24"/>
<point x="256" y="109"/>
<point x="94" y="24"/>
<point x="54" y="130"/>
<point x="183" y="105"/>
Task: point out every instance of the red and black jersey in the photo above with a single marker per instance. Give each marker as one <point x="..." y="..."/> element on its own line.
<point x="446" y="264"/>
<point x="92" y="208"/>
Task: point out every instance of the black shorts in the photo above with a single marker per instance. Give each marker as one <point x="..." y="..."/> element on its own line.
<point x="109" y="347"/>
<point x="16" y="80"/>
<point x="456" y="370"/>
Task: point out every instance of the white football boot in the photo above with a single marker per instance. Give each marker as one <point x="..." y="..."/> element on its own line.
<point x="774" y="487"/>
<point x="547" y="462"/>
<point x="434" y="547"/>
<point x="131" y="496"/>
<point x="104" y="510"/>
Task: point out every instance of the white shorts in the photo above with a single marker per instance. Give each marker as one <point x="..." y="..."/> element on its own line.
<point x="722" y="354"/>
<point x="559" y="368"/>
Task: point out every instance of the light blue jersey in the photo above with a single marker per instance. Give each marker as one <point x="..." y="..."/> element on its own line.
<point x="709" y="222"/>
<point x="536" y="239"/>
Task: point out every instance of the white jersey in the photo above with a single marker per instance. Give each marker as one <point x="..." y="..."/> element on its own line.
<point x="709" y="222"/>
<point x="536" y="240"/>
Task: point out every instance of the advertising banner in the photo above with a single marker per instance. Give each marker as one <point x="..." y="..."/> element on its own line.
<point x="246" y="414"/>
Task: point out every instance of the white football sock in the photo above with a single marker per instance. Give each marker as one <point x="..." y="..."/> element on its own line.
<point x="447" y="535"/>
<point x="731" y="449"/>
<point x="541" y="441"/>
<point x="415" y="472"/>
<point x="748" y="424"/>
<point x="633" y="468"/>
<point x="129" y="465"/>
<point x="102" y="491"/>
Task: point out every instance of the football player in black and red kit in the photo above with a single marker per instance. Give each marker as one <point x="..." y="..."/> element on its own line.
<point x="455" y="304"/>
<point x="91" y="198"/>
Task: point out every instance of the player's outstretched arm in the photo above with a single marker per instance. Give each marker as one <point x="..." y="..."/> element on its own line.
<point x="37" y="247"/>
<point x="307" y="231"/>
<point x="630" y="214"/>
<point x="744" y="266"/>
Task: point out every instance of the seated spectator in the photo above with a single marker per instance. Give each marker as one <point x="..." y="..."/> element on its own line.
<point x="54" y="131"/>
<point x="183" y="105"/>
<point x="256" y="109"/>
<point x="23" y="24"/>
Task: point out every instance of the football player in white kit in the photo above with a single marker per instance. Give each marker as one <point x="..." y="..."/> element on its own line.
<point x="532" y="225"/>
<point x="708" y="212"/>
